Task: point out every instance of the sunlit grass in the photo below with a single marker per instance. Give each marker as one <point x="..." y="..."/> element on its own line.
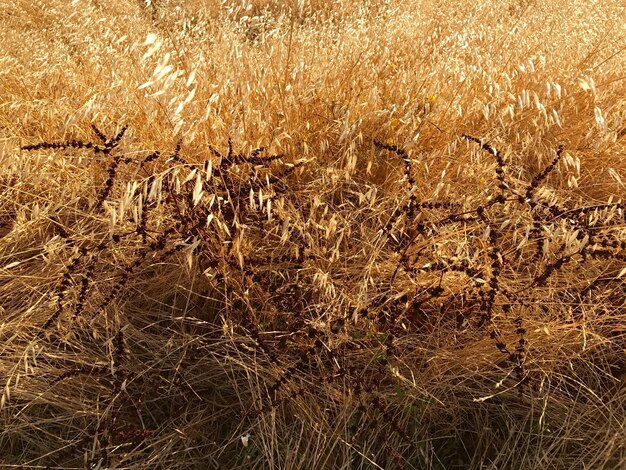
<point x="372" y="234"/>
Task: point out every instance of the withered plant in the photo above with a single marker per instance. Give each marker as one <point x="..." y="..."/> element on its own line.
<point x="255" y="235"/>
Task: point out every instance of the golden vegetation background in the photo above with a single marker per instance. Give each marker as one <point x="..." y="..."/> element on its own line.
<point x="317" y="82"/>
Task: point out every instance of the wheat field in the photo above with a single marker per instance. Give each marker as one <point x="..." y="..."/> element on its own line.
<point x="312" y="234"/>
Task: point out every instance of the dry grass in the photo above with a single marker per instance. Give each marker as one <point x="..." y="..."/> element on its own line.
<point x="315" y="234"/>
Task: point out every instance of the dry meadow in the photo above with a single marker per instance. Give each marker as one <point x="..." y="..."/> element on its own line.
<point x="313" y="234"/>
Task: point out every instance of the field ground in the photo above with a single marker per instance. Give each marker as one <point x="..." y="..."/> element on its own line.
<point x="342" y="234"/>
